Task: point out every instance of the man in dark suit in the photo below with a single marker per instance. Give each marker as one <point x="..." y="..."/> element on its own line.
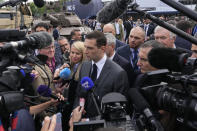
<point x="185" y="26"/>
<point x="56" y="32"/>
<point x="111" y="54"/>
<point x="109" y="28"/>
<point x="148" y="28"/>
<point x="167" y="38"/>
<point x="128" y="25"/>
<point x="130" y="51"/>
<point x="107" y="75"/>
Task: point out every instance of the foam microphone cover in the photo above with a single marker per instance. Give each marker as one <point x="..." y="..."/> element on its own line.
<point x="65" y="73"/>
<point x="39" y="3"/>
<point x="167" y="58"/>
<point x="40" y="40"/>
<point x="43" y="90"/>
<point x="87" y="83"/>
<point x="84" y="1"/>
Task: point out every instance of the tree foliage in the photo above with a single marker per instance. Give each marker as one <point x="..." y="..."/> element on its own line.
<point x="37" y="12"/>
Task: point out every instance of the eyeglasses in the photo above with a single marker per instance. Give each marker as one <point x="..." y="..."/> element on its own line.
<point x="49" y="47"/>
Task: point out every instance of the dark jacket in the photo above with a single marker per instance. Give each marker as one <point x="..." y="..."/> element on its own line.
<point x="183" y="43"/>
<point x="126" y="65"/>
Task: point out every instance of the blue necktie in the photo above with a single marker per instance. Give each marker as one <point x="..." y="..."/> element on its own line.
<point x="135" y="59"/>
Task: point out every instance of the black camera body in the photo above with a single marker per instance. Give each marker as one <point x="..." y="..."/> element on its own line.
<point x="171" y="92"/>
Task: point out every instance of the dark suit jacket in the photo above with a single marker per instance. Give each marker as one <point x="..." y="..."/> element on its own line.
<point x="124" y="51"/>
<point x="119" y="44"/>
<point x="183" y="43"/>
<point x="151" y="28"/>
<point x="126" y="65"/>
<point x="128" y="25"/>
<point x="112" y="79"/>
<point x="55" y="34"/>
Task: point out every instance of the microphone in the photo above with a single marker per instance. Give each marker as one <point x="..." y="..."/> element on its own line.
<point x="88" y="84"/>
<point x="35" y="40"/>
<point x="168" y="58"/>
<point x="84" y="1"/>
<point x="39" y="3"/>
<point x="141" y="104"/>
<point x="64" y="74"/>
<point x="112" y="11"/>
<point x="45" y="91"/>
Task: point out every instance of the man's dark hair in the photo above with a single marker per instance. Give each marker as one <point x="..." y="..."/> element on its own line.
<point x="42" y="24"/>
<point x="152" y="44"/>
<point x="99" y="36"/>
<point x="62" y="38"/>
<point x="73" y="32"/>
<point x="184" y="25"/>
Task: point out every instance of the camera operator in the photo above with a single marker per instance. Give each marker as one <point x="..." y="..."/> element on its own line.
<point x="143" y="59"/>
<point x="144" y="49"/>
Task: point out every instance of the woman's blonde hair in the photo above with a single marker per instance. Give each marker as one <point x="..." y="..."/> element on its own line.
<point x="80" y="47"/>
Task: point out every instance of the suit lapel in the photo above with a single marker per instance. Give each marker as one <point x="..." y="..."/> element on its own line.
<point x="87" y="68"/>
<point x="105" y="72"/>
<point x="115" y="59"/>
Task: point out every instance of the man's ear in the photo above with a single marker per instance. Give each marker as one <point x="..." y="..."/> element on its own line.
<point x="103" y="47"/>
<point x="113" y="46"/>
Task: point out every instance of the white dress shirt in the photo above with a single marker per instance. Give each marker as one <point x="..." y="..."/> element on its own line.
<point x="100" y="65"/>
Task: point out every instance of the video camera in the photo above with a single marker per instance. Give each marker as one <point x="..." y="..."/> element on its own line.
<point x="113" y="115"/>
<point x="174" y="92"/>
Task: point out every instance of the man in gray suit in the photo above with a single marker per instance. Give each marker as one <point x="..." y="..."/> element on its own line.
<point x="109" y="76"/>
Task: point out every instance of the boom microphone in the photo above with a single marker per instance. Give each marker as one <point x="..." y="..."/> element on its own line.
<point x="141" y="104"/>
<point x="112" y="11"/>
<point x="84" y="1"/>
<point x="168" y="58"/>
<point x="39" y="3"/>
<point x="35" y="40"/>
<point x="45" y="91"/>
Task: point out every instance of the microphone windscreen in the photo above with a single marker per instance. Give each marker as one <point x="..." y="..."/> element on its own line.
<point x="39" y="3"/>
<point x="167" y="58"/>
<point x="65" y="74"/>
<point x="137" y="99"/>
<point x="112" y="10"/>
<point x="42" y="39"/>
<point x="87" y="83"/>
<point x="43" y="90"/>
<point x="84" y="1"/>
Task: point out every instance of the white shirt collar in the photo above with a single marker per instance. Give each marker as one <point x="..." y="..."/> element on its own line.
<point x="100" y="64"/>
<point x="111" y="58"/>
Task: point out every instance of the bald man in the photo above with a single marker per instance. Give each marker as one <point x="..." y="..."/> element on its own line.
<point x="130" y="51"/>
<point x="109" y="28"/>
